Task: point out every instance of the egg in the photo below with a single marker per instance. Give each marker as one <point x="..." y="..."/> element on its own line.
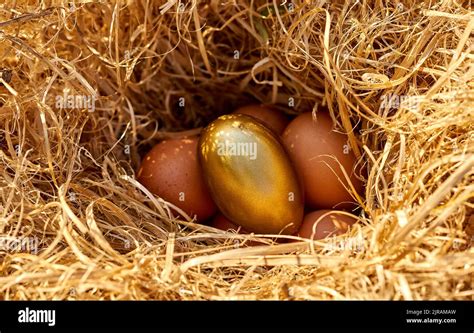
<point x="313" y="146"/>
<point x="221" y="222"/>
<point x="270" y="117"/>
<point x="171" y="170"/>
<point x="249" y="175"/>
<point x="324" y="223"/>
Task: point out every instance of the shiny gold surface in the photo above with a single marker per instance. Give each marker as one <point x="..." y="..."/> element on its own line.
<point x="250" y="176"/>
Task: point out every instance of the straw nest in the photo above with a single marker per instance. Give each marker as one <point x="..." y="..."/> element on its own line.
<point x="396" y="76"/>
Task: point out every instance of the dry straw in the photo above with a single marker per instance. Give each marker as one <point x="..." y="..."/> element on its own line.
<point x="86" y="89"/>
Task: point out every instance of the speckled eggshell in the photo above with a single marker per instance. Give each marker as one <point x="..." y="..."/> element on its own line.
<point x="171" y="170"/>
<point x="316" y="151"/>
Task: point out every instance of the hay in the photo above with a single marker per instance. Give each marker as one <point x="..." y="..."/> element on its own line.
<point x="397" y="77"/>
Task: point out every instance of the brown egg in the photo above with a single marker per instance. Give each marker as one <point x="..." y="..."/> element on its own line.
<point x="324" y="223"/>
<point x="270" y="117"/>
<point x="312" y="146"/>
<point x="171" y="170"/>
<point x="223" y="223"/>
<point x="250" y="176"/>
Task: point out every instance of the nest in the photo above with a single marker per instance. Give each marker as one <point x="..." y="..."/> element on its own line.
<point x="87" y="88"/>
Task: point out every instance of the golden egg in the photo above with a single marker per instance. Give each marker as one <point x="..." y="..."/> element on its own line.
<point x="249" y="175"/>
